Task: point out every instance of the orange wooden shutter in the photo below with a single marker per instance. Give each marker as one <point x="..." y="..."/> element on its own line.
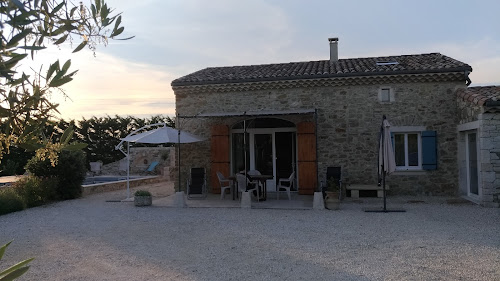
<point x="219" y="155"/>
<point x="306" y="158"/>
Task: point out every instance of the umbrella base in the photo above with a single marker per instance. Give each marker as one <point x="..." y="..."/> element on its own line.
<point x="382" y="210"/>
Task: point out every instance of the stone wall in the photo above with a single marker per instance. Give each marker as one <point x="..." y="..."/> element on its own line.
<point x="119" y="185"/>
<point x="140" y="160"/>
<point x="348" y="119"/>
<point x="489" y="146"/>
<point x="467" y="112"/>
<point x="487" y="126"/>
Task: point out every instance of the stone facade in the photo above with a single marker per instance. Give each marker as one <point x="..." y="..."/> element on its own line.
<point x="485" y="122"/>
<point x="489" y="143"/>
<point x="468" y="112"/>
<point x="348" y="122"/>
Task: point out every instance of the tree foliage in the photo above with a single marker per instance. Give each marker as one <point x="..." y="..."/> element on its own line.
<point x="27" y="27"/>
<point x="102" y="134"/>
<point x="70" y="172"/>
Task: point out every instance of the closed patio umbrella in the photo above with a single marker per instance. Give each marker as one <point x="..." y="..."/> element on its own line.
<point x="163" y="134"/>
<point x="386" y="161"/>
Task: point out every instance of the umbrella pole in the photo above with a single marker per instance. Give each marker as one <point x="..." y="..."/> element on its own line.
<point x="383" y="188"/>
<point x="178" y="125"/>
<point x="179" y="155"/>
<point x="382" y="167"/>
<point x="245" y="151"/>
<point x="128" y="170"/>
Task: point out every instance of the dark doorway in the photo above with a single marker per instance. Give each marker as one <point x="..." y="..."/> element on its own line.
<point x="285" y="154"/>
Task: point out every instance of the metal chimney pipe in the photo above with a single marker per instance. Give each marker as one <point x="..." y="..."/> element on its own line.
<point x="334" y="49"/>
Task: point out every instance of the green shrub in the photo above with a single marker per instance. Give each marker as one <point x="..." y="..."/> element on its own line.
<point x="70" y="172"/>
<point x="142" y="193"/>
<point x="36" y="191"/>
<point x="10" y="201"/>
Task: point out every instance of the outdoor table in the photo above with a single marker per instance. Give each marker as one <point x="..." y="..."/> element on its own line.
<point x="263" y="179"/>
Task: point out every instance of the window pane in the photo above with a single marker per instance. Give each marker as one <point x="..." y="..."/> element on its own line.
<point x="412" y="150"/>
<point x="239" y="153"/>
<point x="399" y="149"/>
<point x="263" y="147"/>
<point x="385" y="94"/>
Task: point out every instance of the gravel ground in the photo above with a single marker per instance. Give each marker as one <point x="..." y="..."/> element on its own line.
<point x="90" y="239"/>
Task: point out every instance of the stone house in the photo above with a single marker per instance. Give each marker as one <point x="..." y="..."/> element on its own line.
<point x="479" y="144"/>
<point x="303" y="117"/>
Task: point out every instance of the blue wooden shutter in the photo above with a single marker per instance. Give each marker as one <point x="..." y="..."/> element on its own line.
<point x="429" y="150"/>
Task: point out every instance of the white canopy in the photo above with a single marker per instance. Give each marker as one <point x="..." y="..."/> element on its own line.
<point x="162" y="135"/>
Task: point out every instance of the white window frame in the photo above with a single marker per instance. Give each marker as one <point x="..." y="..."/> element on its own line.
<point x="391" y="94"/>
<point x="406" y="131"/>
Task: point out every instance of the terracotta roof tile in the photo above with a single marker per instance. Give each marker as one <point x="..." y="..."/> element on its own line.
<point x="406" y="64"/>
<point x="483" y="96"/>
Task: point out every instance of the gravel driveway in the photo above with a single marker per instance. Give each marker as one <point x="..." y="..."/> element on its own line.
<point x="90" y="239"/>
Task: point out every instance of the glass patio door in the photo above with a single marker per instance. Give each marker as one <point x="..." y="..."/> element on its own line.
<point x="262" y="155"/>
<point x="472" y="164"/>
<point x="269" y="146"/>
<point x="285" y="155"/>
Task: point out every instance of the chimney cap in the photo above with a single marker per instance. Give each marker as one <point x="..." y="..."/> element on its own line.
<point x="334" y="39"/>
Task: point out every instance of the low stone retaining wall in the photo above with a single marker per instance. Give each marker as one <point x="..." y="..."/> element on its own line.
<point x="355" y="188"/>
<point x="119" y="185"/>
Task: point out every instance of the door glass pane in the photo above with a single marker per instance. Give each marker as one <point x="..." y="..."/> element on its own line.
<point x="263" y="146"/>
<point x="285" y="155"/>
<point x="399" y="149"/>
<point x="412" y="150"/>
<point x="473" y="176"/>
<point x="238" y="153"/>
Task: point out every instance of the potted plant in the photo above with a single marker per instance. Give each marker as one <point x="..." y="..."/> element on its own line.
<point x="142" y="198"/>
<point x="332" y="194"/>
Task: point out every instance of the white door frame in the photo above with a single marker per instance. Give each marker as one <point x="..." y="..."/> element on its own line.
<point x="271" y="184"/>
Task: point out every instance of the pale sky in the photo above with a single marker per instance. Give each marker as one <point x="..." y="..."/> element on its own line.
<point x="177" y="37"/>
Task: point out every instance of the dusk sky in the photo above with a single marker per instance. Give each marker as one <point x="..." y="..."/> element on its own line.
<point x="175" y="38"/>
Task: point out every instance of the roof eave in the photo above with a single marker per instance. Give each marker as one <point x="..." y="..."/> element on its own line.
<point x="340" y="75"/>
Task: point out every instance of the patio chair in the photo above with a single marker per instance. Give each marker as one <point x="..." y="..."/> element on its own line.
<point x="255" y="173"/>
<point x="244" y="185"/>
<point x="224" y="184"/>
<point x="152" y="167"/>
<point x="286" y="184"/>
<point x="196" y="184"/>
<point x="95" y="168"/>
